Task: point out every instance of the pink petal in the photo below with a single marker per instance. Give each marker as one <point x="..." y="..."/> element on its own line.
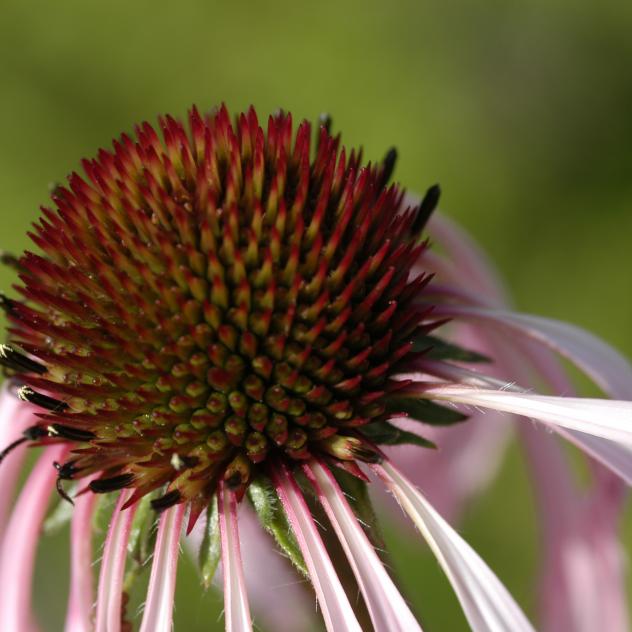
<point x="236" y="609"/>
<point x="567" y="603"/>
<point x="583" y="585"/>
<point x="486" y="602"/>
<point x="20" y="541"/>
<point x="386" y="606"/>
<point x="110" y="591"/>
<point x="158" y="612"/>
<point x="597" y="359"/>
<point x="81" y="600"/>
<point x="15" y="417"/>
<point x="468" y="455"/>
<point x="605" y="418"/>
<point x="615" y="457"/>
<point x="336" y="609"/>
<point x="269" y="576"/>
<point x="583" y="576"/>
<point x="606" y="366"/>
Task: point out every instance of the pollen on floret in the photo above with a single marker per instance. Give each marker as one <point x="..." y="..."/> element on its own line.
<point x="214" y="298"/>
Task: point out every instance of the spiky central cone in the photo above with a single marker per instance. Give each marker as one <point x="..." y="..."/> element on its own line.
<point x="214" y="299"/>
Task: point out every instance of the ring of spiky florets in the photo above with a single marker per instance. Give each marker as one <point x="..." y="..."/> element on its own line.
<point x="214" y="299"/>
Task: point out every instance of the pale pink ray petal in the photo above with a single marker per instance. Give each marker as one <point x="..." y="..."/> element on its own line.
<point x="583" y="572"/>
<point x="616" y="457"/>
<point x="487" y="604"/>
<point x="15" y="417"/>
<point x="583" y="578"/>
<point x="609" y="557"/>
<point x="269" y="576"/>
<point x="236" y="608"/>
<point x="566" y="603"/>
<point x="79" y="616"/>
<point x="337" y="611"/>
<point x="19" y="545"/>
<point x="613" y="456"/>
<point x="387" y="608"/>
<point x="111" y="575"/>
<point x="606" y="418"/>
<point x="467" y="455"/>
<point x="582" y="587"/>
<point x="603" y="364"/>
<point x="158" y="610"/>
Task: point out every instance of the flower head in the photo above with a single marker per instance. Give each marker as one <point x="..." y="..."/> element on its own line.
<point x="230" y="312"/>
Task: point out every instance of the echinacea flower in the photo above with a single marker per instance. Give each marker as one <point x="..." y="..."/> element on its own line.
<point x="230" y="316"/>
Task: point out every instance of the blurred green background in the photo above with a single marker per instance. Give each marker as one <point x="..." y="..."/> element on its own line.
<point x="522" y="111"/>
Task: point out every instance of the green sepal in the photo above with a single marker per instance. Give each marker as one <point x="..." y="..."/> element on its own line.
<point x="384" y="433"/>
<point x="425" y="411"/>
<point x="141" y="528"/>
<point x="437" y="349"/>
<point x="105" y="504"/>
<point x="266" y="503"/>
<point x="211" y="547"/>
<point x="60" y="516"/>
<point x="357" y="493"/>
<point x="141" y="541"/>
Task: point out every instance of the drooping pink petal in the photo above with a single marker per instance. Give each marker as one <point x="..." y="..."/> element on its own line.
<point x="582" y="572"/>
<point x="158" y="611"/>
<point x="387" y="608"/>
<point x="337" y="611"/>
<point x="268" y="574"/>
<point x="485" y="601"/>
<point x="15" y="417"/>
<point x="603" y="364"/>
<point x="111" y="575"/>
<point x="582" y="586"/>
<point x="583" y="575"/>
<point x="236" y="608"/>
<point x="79" y="616"/>
<point x="614" y="454"/>
<point x="605" y="418"/>
<point x="566" y="514"/>
<point x="19" y="545"/>
<point x="468" y="455"/>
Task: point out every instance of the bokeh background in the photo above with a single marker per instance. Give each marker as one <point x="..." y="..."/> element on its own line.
<point x="522" y="111"/>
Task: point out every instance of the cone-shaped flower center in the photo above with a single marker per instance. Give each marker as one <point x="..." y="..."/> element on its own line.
<point x="214" y="299"/>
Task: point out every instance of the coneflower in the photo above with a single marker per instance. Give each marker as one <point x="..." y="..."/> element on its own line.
<point x="230" y="315"/>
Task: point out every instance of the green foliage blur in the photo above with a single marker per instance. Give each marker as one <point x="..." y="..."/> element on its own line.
<point x="522" y="111"/>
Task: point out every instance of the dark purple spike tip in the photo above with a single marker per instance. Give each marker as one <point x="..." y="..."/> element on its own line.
<point x="426" y="208"/>
<point x="388" y="166"/>
<point x="165" y="502"/>
<point x="105" y="485"/>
